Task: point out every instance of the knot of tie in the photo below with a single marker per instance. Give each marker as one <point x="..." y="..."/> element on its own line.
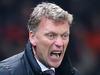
<point x="48" y="72"/>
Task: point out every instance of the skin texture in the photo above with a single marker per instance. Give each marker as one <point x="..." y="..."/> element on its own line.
<point x="50" y="40"/>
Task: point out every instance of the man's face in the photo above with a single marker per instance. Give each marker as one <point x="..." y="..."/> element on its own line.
<point x="51" y="40"/>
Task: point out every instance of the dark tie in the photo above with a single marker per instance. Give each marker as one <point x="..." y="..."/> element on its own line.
<point x="48" y="72"/>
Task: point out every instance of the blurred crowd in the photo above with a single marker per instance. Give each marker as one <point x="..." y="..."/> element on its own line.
<point x="84" y="43"/>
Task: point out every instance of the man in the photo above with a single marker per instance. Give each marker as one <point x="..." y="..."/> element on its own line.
<point x="49" y="29"/>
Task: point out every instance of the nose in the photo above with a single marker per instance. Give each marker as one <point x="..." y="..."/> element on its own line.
<point x="59" y="42"/>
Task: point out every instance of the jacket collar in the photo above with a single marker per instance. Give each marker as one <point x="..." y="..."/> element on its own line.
<point x="31" y="61"/>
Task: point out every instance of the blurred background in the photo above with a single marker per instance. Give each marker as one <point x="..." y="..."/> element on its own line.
<point x="84" y="46"/>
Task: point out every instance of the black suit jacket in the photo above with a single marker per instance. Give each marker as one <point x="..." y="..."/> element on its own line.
<point x="24" y="63"/>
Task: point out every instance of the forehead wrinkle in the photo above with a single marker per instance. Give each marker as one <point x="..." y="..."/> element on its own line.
<point x="53" y="26"/>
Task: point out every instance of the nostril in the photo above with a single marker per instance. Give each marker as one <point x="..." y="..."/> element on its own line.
<point x="59" y="44"/>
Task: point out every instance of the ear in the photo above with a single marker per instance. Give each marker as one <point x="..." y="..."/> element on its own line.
<point x="32" y="38"/>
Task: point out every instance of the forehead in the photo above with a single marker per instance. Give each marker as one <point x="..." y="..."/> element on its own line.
<point x="51" y="25"/>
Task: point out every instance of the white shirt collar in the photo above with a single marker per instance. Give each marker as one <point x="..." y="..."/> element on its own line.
<point x="43" y="67"/>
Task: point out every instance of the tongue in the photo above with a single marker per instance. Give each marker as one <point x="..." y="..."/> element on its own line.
<point x="55" y="55"/>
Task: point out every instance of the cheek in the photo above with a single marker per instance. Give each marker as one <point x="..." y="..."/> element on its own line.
<point x="43" y="44"/>
<point x="43" y="48"/>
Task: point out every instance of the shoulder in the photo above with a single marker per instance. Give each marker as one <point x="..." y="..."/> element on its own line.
<point x="8" y="65"/>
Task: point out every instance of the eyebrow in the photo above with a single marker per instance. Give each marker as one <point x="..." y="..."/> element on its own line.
<point x="57" y="33"/>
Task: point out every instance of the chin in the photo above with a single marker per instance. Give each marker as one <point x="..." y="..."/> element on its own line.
<point x="55" y="65"/>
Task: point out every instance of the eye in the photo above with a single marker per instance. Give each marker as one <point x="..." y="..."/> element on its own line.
<point x="51" y="36"/>
<point x="65" y="36"/>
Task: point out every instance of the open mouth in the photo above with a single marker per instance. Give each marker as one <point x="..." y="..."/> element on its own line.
<point x="55" y="53"/>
